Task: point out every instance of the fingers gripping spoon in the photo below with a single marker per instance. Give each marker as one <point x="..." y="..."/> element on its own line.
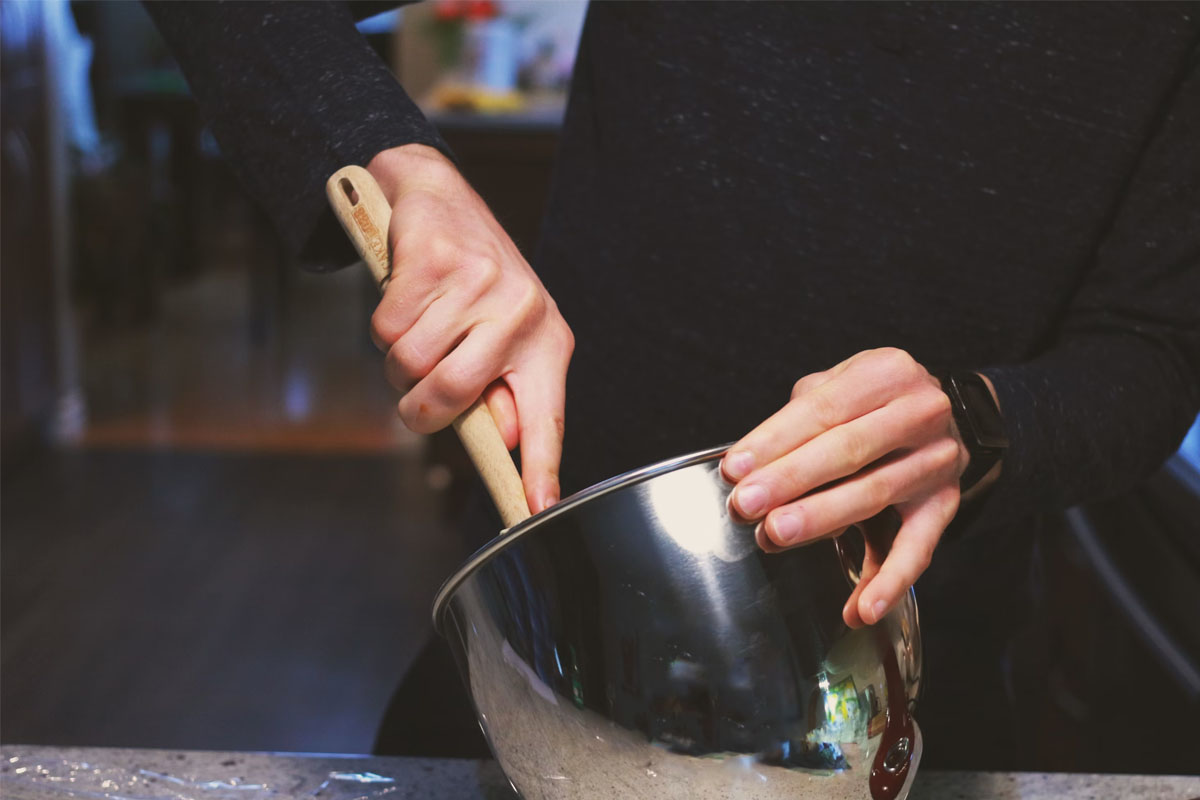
<point x="364" y="212"/>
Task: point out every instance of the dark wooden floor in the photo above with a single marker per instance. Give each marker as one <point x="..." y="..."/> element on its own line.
<point x="213" y="600"/>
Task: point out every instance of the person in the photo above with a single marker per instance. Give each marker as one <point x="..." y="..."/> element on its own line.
<point x="772" y="224"/>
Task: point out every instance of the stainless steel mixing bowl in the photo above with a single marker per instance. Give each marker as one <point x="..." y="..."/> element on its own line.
<point x="634" y="642"/>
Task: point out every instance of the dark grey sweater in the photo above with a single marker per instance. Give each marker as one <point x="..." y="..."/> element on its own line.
<point x="748" y="193"/>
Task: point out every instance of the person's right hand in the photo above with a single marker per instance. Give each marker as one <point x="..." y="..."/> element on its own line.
<point x="465" y="316"/>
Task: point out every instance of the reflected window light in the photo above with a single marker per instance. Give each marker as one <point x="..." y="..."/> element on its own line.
<point x="1190" y="449"/>
<point x="689" y="511"/>
<point x="689" y="505"/>
<point x="1185" y="466"/>
<point x="386" y="22"/>
<point x="297" y="396"/>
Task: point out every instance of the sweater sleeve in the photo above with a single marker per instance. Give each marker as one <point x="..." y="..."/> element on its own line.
<point x="293" y="92"/>
<point x="1112" y="397"/>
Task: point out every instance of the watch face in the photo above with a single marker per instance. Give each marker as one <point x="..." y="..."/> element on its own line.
<point x="982" y="411"/>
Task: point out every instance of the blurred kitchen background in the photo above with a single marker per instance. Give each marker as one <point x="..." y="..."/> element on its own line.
<point x="216" y="534"/>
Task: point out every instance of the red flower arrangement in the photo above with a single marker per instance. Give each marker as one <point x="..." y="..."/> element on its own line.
<point x="470" y="10"/>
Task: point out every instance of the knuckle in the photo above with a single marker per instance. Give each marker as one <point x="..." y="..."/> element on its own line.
<point x="901" y="361"/>
<point x="931" y="407"/>
<point x="786" y="479"/>
<point x="949" y="504"/>
<point x="799" y="386"/>
<point x="480" y="273"/>
<point x="894" y="361"/>
<point x="862" y="355"/>
<point x="529" y="303"/>
<point x="948" y="500"/>
<point x="940" y="406"/>
<point x="566" y="340"/>
<point x="854" y="449"/>
<point x="823" y="407"/>
<point x="782" y="482"/>
<point x="453" y="384"/>
<point x="945" y="454"/>
<point x="440" y="250"/>
<point x="409" y="360"/>
<point x="878" y="491"/>
<point x="383" y="325"/>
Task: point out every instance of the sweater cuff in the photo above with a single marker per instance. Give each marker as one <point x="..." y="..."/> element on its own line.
<point x="321" y="245"/>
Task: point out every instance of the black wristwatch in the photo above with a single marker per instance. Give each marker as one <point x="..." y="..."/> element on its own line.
<point x="979" y="423"/>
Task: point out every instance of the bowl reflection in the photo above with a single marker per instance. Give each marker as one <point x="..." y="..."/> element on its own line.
<point x="633" y="642"/>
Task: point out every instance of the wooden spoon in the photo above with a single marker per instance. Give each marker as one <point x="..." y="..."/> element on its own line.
<point x="365" y="213"/>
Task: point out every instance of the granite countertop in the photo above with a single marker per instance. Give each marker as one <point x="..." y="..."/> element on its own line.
<point x="52" y="773"/>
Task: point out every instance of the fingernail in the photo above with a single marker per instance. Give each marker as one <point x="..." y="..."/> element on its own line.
<point x="738" y="464"/>
<point x="786" y="527"/>
<point x="878" y="609"/>
<point x="549" y="499"/>
<point x="750" y="500"/>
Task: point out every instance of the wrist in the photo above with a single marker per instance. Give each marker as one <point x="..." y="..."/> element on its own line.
<point x="398" y="169"/>
<point x="980" y="427"/>
<point x="990" y="387"/>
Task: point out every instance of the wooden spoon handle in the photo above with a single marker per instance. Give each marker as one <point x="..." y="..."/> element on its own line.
<point x="365" y="213"/>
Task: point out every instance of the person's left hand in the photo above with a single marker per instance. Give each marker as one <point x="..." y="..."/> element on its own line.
<point x="872" y="432"/>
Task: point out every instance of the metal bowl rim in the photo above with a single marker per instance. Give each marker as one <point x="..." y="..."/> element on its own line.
<point x="507" y="537"/>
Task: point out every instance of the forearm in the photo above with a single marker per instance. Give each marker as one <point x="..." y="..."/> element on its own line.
<point x="407" y="168"/>
<point x="1109" y="399"/>
<point x="293" y="92"/>
<point x="1090" y="418"/>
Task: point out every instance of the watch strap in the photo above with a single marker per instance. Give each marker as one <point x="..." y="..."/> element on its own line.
<point x="979" y="422"/>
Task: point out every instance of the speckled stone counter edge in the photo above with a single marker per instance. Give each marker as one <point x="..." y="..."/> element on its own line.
<point x="50" y="773"/>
